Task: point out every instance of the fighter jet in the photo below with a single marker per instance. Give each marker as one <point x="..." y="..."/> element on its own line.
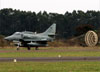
<point x="32" y="39"/>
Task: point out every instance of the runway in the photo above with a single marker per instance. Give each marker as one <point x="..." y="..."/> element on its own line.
<point x="50" y="59"/>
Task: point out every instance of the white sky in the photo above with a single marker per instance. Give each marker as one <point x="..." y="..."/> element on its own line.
<point x="58" y="6"/>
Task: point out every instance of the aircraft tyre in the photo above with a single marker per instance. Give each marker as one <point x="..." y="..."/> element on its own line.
<point x="17" y="49"/>
<point x="36" y="48"/>
<point x="28" y="48"/>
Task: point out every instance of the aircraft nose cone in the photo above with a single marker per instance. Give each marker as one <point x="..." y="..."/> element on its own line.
<point x="7" y="38"/>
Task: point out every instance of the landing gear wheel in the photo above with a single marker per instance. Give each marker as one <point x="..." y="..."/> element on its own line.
<point x="17" y="48"/>
<point x="28" y="48"/>
<point x="19" y="44"/>
<point x="36" y="48"/>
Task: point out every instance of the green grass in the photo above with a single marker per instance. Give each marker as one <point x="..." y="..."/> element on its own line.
<point x="70" y="66"/>
<point x="50" y="54"/>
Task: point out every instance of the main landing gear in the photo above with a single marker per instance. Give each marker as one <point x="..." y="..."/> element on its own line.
<point x="28" y="48"/>
<point x="36" y="48"/>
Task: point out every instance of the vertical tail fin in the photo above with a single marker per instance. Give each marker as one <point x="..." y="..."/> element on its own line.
<point x="51" y="30"/>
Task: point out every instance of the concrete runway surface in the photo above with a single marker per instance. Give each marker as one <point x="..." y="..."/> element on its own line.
<point x="50" y="59"/>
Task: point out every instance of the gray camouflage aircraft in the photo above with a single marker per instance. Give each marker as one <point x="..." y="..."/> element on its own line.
<point x="32" y="39"/>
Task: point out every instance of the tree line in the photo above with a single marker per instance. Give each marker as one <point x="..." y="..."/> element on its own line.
<point x="68" y="24"/>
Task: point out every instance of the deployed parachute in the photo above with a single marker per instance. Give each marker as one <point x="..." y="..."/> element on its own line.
<point x="91" y="38"/>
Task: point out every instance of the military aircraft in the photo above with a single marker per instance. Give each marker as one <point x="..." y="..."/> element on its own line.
<point x="32" y="39"/>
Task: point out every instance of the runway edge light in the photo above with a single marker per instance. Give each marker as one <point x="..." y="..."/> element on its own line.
<point x="15" y="60"/>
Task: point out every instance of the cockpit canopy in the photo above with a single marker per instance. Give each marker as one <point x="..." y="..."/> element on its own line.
<point x="17" y="33"/>
<point x="27" y="32"/>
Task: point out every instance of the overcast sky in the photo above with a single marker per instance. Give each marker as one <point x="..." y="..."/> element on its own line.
<point x="58" y="6"/>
